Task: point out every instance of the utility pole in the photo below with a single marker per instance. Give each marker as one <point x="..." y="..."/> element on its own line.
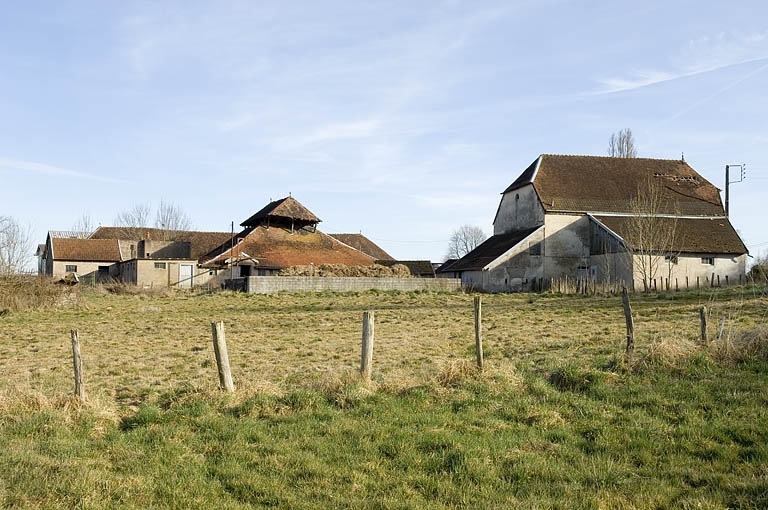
<point x="742" y="175"/>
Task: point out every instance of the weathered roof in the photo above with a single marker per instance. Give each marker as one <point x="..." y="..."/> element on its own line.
<point x="489" y="250"/>
<point x="416" y="267"/>
<point x="85" y="250"/>
<point x="200" y="242"/>
<point x="363" y="244"/>
<point x="277" y="248"/>
<point x="445" y="266"/>
<point x="287" y="208"/>
<point x="692" y="235"/>
<point x="606" y="184"/>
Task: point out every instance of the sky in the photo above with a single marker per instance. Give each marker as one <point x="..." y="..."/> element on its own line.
<point x="402" y="120"/>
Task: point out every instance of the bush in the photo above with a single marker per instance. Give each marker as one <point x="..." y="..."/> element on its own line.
<point x="19" y="293"/>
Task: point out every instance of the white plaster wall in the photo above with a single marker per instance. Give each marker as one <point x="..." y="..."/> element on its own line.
<point x="60" y="267"/>
<point x="518" y="210"/>
<point x="566" y="245"/>
<point x="689" y="267"/>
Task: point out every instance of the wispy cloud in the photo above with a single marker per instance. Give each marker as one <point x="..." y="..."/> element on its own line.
<point x="698" y="56"/>
<point x="42" y="168"/>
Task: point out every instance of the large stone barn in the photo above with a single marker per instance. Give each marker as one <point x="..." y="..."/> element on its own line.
<point x="644" y="223"/>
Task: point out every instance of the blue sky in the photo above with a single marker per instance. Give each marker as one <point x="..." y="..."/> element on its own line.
<point x="403" y="120"/>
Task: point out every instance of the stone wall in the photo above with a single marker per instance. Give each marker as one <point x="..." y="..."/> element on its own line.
<point x="270" y="284"/>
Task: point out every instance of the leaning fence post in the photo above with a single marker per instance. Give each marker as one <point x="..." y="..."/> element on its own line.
<point x="722" y="327"/>
<point x="479" y="331"/>
<point x="703" y="317"/>
<point x="78" y="366"/>
<point x="222" y="356"/>
<point x="630" y="322"/>
<point x="366" y="359"/>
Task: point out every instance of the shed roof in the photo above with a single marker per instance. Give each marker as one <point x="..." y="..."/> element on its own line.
<point x="607" y="184"/>
<point x="692" y="235"/>
<point x="489" y="250"/>
<point x="85" y="250"/>
<point x="363" y="244"/>
<point x="416" y="267"/>
<point x="287" y="208"/>
<point x="277" y="248"/>
<point x="200" y="242"/>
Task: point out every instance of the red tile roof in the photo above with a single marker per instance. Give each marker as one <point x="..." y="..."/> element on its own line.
<point x="604" y="184"/>
<point x="85" y="250"/>
<point x="280" y="248"/>
<point x="363" y="244"/>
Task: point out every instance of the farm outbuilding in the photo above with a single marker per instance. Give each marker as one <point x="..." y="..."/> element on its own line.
<point x="634" y="221"/>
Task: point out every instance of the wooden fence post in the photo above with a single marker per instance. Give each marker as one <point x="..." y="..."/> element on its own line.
<point x="630" y="322"/>
<point x="479" y="331"/>
<point x="366" y="360"/>
<point x="77" y="362"/>
<point x="222" y="356"/>
<point x="703" y="318"/>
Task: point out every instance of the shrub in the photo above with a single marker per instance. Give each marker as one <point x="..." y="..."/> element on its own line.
<point x="19" y="293"/>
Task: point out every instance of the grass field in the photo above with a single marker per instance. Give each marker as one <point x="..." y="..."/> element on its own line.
<point x="559" y="418"/>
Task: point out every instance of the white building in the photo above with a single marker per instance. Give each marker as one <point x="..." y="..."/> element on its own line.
<point x="594" y="218"/>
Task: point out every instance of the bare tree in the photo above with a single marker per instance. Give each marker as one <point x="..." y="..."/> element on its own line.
<point x="622" y="144"/>
<point x="84" y="226"/>
<point x="170" y="217"/>
<point x="651" y="234"/>
<point x="15" y="246"/>
<point x="463" y="240"/>
<point x="135" y="217"/>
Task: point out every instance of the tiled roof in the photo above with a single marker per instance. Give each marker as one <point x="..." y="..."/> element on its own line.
<point x="699" y="235"/>
<point x="490" y="249"/>
<point x="200" y="242"/>
<point x="279" y="248"/>
<point x="363" y="244"/>
<point x="287" y="208"/>
<point x="84" y="250"/>
<point x="416" y="267"/>
<point x="445" y="266"/>
<point x="604" y="184"/>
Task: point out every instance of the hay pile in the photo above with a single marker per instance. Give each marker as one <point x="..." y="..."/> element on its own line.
<point x="331" y="270"/>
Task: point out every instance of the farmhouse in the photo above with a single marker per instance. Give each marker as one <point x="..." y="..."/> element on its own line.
<point x="282" y="234"/>
<point x="645" y="223"/>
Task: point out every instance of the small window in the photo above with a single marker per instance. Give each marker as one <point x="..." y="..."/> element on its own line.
<point x="159" y="265"/>
<point x="103" y="269"/>
<point x="71" y="268"/>
<point x="710" y="261"/>
<point x="671" y="259"/>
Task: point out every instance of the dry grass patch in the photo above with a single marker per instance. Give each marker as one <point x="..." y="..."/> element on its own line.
<point x="750" y="344"/>
<point x="22" y="293"/>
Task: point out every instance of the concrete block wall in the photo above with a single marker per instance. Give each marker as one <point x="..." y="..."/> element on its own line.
<point x="270" y="284"/>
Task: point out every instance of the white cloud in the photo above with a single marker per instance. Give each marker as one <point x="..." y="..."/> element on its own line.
<point x="702" y="55"/>
<point x="42" y="168"/>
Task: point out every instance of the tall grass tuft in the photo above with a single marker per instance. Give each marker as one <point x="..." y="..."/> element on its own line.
<point x="747" y="345"/>
<point x="19" y="293"/>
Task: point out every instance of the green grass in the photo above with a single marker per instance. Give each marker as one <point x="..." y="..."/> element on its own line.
<point x="559" y="419"/>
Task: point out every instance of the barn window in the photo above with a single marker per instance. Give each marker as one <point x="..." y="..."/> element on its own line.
<point x="71" y="268"/>
<point x="710" y="261"/>
<point x="159" y="265"/>
<point x="103" y="269"/>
